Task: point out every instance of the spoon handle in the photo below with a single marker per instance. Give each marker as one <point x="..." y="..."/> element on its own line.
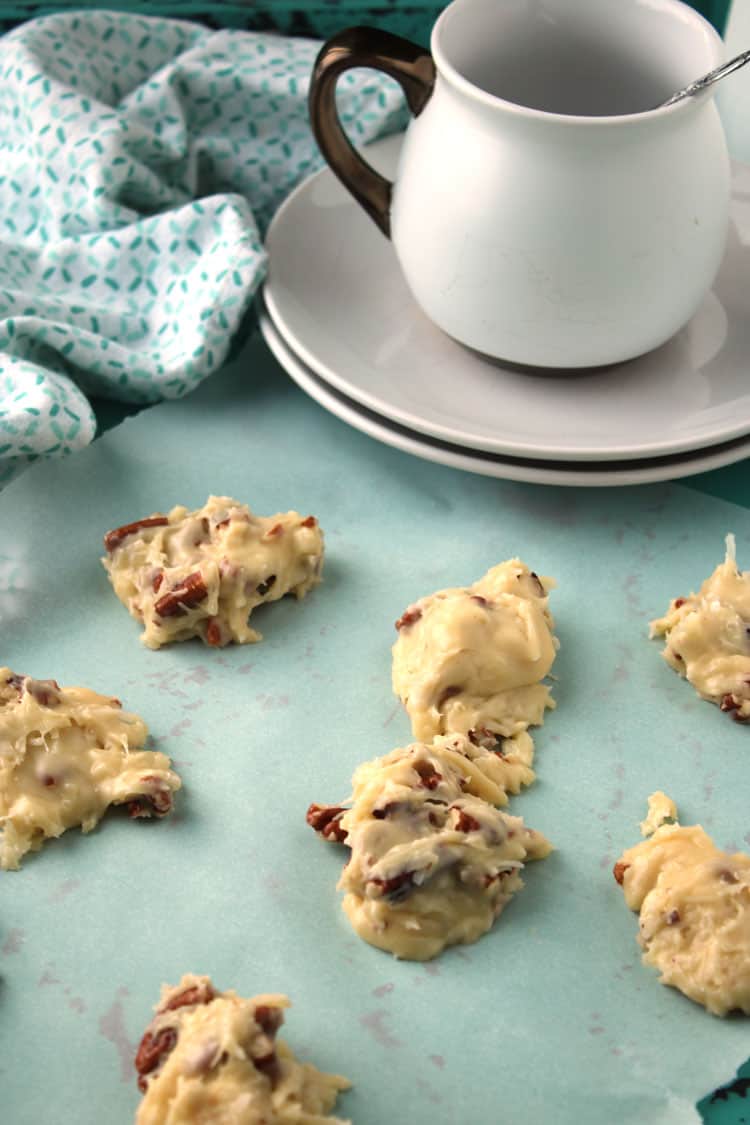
<point x="709" y="79"/>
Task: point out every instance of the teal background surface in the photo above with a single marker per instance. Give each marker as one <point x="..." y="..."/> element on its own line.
<point x="108" y="891"/>
<point x="551" y="1017"/>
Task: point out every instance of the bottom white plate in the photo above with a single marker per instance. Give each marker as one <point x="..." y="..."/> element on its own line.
<point x="589" y="474"/>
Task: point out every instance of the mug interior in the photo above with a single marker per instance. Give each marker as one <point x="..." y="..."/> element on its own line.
<point x="588" y="58"/>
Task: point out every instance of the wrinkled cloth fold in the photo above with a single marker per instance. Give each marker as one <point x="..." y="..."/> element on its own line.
<point x="141" y="160"/>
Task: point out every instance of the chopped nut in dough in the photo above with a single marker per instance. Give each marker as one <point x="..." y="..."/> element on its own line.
<point x="212" y="1057"/>
<point x="708" y="637"/>
<point x="66" y="754"/>
<point x="433" y="862"/>
<point x="202" y="573"/>
<point x="694" y="903"/>
<point x="472" y="660"/>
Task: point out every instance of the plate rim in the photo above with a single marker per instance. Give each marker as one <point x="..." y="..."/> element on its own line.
<point x="589" y="474"/>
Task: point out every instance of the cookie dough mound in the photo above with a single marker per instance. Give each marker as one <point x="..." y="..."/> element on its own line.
<point x="66" y="755"/>
<point x="479" y="766"/>
<point x="708" y="637"/>
<point x="694" y="903"/>
<point x="210" y="1056"/>
<point x="202" y="573"/>
<point x="472" y="659"/>
<point x="432" y="861"/>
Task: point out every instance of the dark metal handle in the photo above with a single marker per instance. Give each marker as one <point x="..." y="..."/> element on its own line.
<point x="409" y="64"/>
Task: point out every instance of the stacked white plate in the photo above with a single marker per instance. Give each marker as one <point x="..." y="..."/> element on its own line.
<point x="336" y="313"/>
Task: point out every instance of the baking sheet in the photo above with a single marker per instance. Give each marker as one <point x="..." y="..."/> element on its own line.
<point x="551" y="1017"/>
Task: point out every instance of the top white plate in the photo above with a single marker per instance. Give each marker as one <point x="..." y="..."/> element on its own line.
<point x="336" y="293"/>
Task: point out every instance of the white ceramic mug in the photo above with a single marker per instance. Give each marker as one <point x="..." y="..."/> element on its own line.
<point x="545" y="210"/>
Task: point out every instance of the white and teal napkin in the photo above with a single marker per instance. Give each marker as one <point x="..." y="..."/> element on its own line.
<point x="141" y="160"/>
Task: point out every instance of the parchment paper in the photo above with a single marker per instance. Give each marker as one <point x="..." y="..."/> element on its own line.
<point x="550" y="1018"/>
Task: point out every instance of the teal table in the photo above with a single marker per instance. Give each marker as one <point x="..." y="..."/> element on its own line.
<point x="92" y="926"/>
<point x="551" y="1016"/>
<point x="730" y="483"/>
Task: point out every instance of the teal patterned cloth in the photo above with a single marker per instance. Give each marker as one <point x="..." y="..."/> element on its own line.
<point x="141" y="160"/>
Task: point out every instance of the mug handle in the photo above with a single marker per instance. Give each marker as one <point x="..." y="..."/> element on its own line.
<point x="413" y="69"/>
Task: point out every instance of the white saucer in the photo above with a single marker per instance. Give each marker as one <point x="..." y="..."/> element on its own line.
<point x="584" y="474"/>
<point x="336" y="294"/>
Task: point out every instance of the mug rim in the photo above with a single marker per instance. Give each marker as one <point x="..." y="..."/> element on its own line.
<point x="451" y="74"/>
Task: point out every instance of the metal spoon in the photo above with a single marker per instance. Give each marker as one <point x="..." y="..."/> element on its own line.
<point x="707" y="80"/>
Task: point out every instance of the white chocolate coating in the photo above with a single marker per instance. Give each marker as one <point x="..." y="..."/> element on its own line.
<point x="708" y="637"/>
<point x="211" y="1058"/>
<point x="471" y="660"/>
<point x="694" y="903"/>
<point x="66" y="755"/>
<point x="201" y="573"/>
<point x="433" y="862"/>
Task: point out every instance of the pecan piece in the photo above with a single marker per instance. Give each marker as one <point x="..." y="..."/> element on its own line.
<point x="486" y="739"/>
<point x="214" y="633"/>
<point x="409" y="617"/>
<point x="191" y="591"/>
<point x="732" y="704"/>
<point x="396" y="888"/>
<point x="113" y="539"/>
<point x="268" y="1065"/>
<point x="429" y="778"/>
<point x="157" y="801"/>
<point x="196" y="994"/>
<point x="444" y="808"/>
<point x="151" y="1052"/>
<point x="619" y="870"/>
<point x="326" y="819"/>
<point x="274" y="531"/>
<point x="309" y="521"/>
<point x="673" y="918"/>
<point x="45" y="692"/>
<point x="269" y="1019"/>
<point x="263" y="587"/>
<point x="386" y="810"/>
<point x="465" y="822"/>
